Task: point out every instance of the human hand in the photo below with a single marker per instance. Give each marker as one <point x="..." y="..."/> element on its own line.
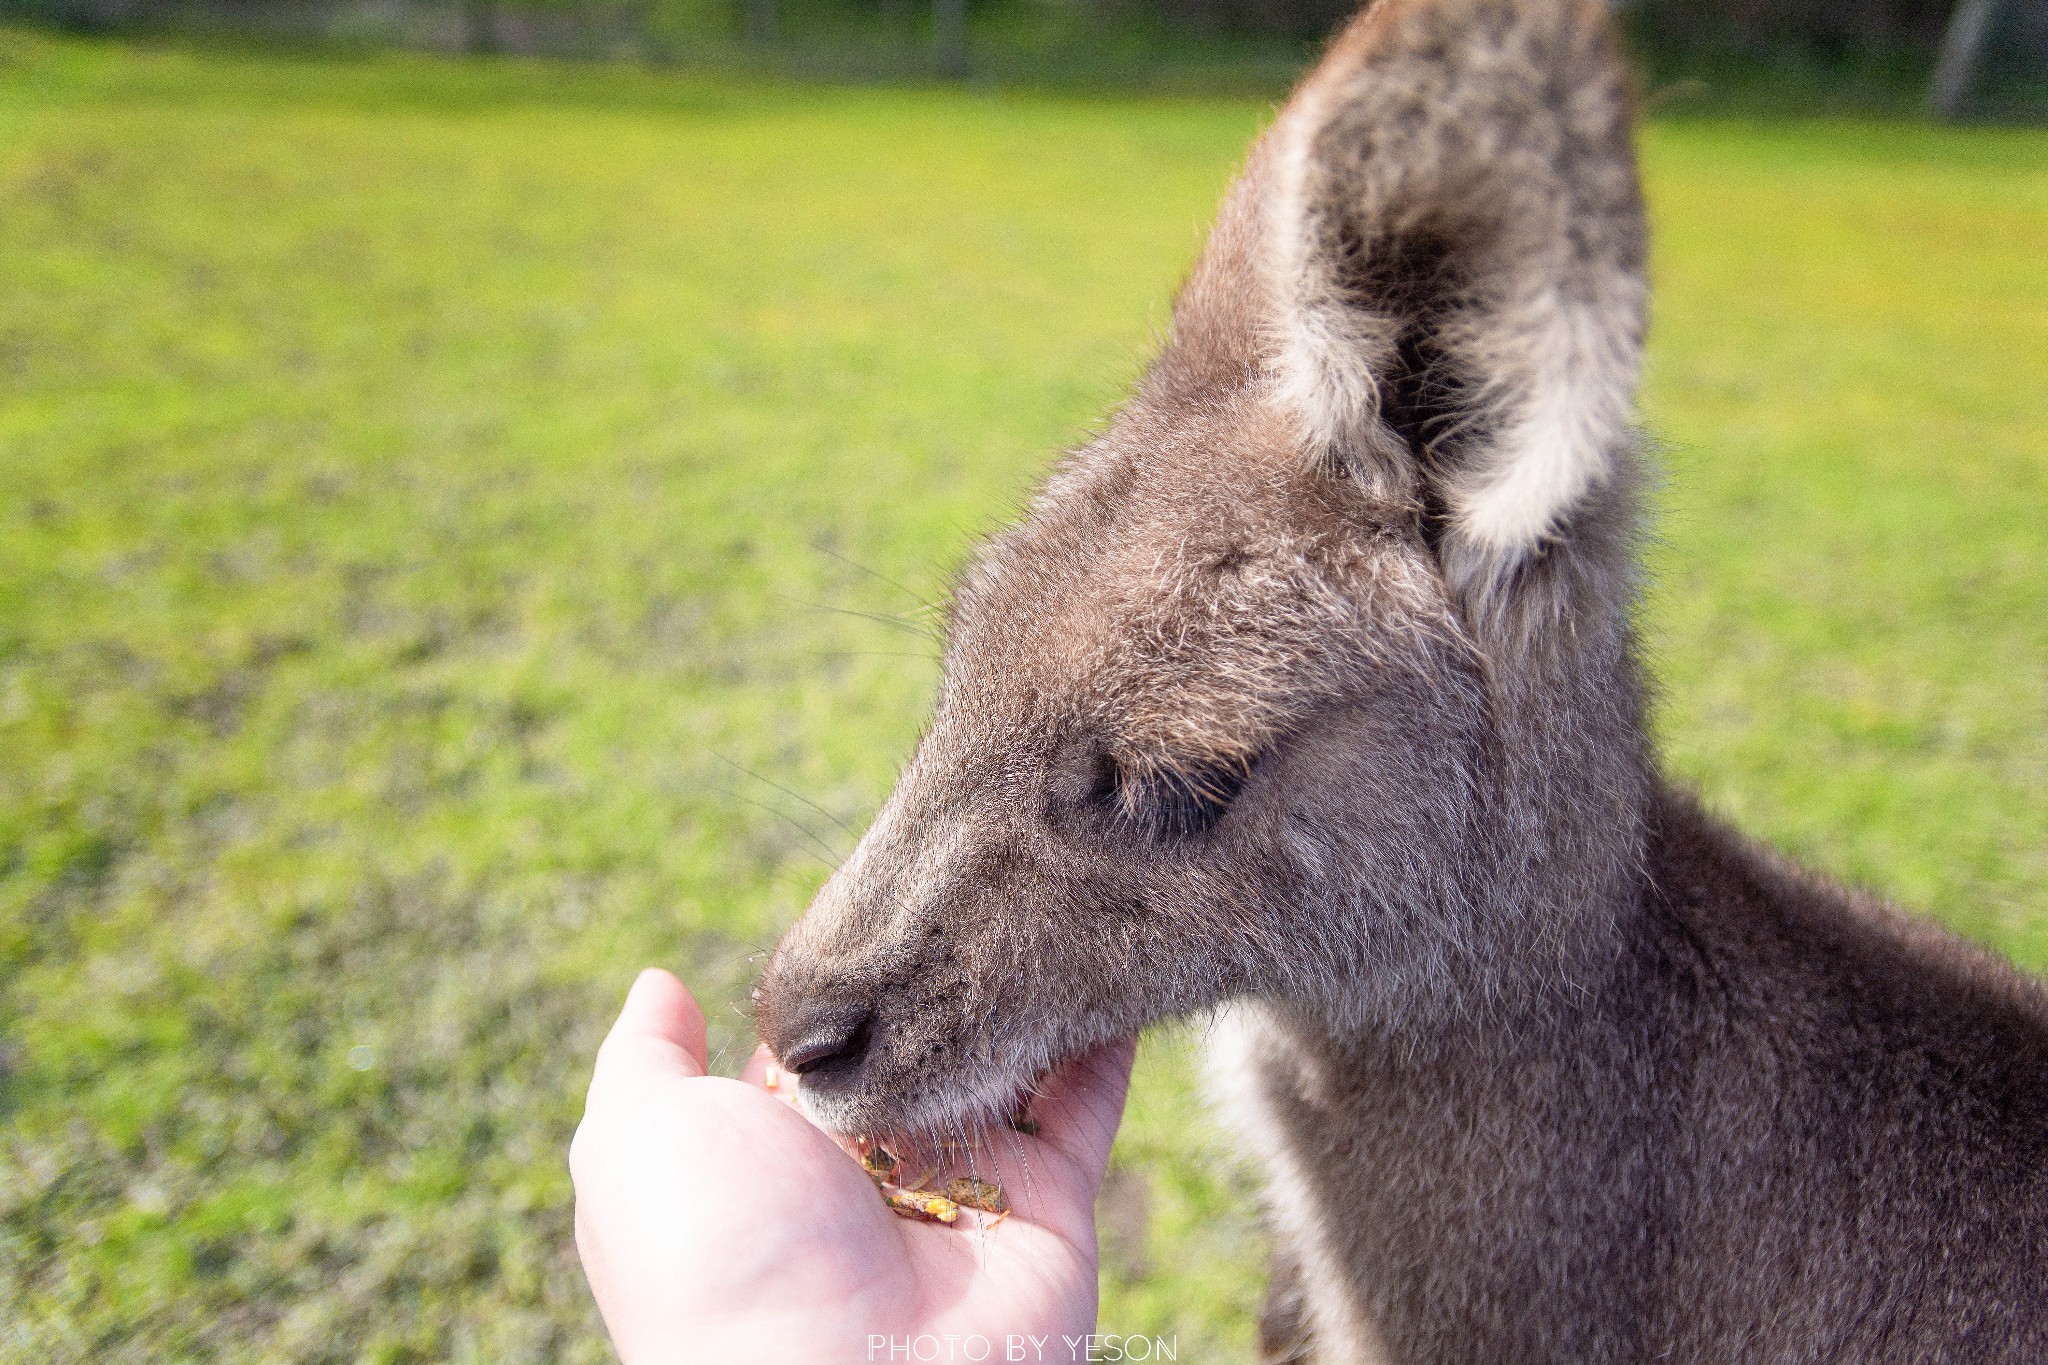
<point x="716" y="1223"/>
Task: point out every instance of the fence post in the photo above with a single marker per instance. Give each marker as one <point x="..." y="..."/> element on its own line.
<point x="760" y="21"/>
<point x="480" y="25"/>
<point x="1961" y="46"/>
<point x="949" y="37"/>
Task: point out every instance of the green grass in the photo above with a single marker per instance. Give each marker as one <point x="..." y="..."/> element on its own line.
<point x="424" y="488"/>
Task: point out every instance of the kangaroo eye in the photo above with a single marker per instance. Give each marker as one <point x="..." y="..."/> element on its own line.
<point x="1168" y="802"/>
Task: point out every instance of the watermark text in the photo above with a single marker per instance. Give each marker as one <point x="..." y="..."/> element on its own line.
<point x="932" y="1347"/>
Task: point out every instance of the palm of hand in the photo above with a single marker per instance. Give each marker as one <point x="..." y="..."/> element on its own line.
<point x="717" y="1223"/>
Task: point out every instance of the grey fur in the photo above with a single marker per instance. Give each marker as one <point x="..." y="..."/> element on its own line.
<point x="1548" y="1066"/>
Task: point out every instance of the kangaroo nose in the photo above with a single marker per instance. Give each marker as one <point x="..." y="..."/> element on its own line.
<point x="833" y="1042"/>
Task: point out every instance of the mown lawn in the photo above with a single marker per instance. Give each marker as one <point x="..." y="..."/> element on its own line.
<point x="451" y="528"/>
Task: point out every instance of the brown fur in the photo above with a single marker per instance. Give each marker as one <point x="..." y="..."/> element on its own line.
<point x="1311" y="686"/>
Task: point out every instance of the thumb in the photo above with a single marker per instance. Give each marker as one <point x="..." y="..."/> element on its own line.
<point x="659" y="1036"/>
<point x="1082" y="1106"/>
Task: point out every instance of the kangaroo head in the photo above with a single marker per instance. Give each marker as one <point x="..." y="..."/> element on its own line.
<point x="1310" y="678"/>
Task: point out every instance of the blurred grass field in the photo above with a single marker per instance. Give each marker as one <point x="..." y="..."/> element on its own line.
<point x="466" y="532"/>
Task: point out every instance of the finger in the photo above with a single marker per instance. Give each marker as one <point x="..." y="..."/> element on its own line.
<point x="659" y="1034"/>
<point x="755" y="1072"/>
<point x="1082" y="1104"/>
<point x="763" y="1070"/>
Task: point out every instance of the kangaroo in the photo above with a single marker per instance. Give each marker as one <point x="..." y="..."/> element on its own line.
<point x="1310" y="690"/>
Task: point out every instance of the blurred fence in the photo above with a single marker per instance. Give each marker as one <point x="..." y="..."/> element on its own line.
<point x="595" y="28"/>
<point x="1978" y="55"/>
<point x="1973" y="51"/>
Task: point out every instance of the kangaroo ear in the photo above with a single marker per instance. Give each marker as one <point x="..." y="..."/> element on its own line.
<point x="1455" y="255"/>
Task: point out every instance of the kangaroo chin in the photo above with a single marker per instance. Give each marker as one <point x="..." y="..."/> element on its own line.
<point x="1311" y="687"/>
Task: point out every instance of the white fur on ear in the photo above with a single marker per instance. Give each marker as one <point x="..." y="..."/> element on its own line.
<point x="1497" y="138"/>
<point x="1565" y="434"/>
<point x="1322" y="349"/>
